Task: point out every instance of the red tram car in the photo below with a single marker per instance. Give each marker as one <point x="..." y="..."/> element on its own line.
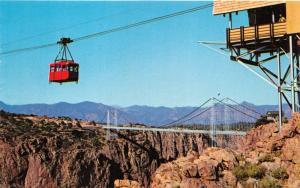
<point x="64" y="68"/>
<point x="64" y="71"/>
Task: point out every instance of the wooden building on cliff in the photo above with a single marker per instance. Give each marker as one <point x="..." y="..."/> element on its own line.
<point x="272" y="31"/>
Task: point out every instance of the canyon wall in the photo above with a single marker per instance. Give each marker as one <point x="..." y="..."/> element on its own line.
<point x="61" y="152"/>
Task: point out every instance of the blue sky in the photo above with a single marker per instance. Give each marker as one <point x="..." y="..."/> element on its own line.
<point x="158" y="64"/>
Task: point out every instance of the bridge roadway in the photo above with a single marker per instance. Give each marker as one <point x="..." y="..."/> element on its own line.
<point x="189" y="131"/>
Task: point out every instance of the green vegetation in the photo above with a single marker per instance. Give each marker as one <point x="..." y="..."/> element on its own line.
<point x="78" y="124"/>
<point x="268" y="182"/>
<point x="69" y="125"/>
<point x="262" y="121"/>
<point x="93" y="123"/>
<point x="96" y="142"/>
<point x="65" y="118"/>
<point x="77" y="134"/>
<point x="280" y="173"/>
<point x="240" y="173"/>
<point x="256" y="171"/>
<point x="46" y="128"/>
<point x="249" y="170"/>
<point x="240" y="157"/>
<point x="266" y="158"/>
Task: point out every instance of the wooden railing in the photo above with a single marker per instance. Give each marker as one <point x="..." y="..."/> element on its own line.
<point x="255" y="33"/>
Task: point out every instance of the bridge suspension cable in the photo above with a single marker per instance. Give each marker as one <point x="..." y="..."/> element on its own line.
<point x="197" y="115"/>
<point x="235" y="109"/>
<point x="103" y="118"/>
<point x="244" y="106"/>
<point x="117" y="29"/>
<point x="185" y="116"/>
<point x="121" y="115"/>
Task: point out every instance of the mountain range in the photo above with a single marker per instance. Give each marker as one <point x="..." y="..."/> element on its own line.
<point x="219" y="113"/>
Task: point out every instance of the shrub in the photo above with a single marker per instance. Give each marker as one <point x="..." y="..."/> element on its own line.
<point x="249" y="170"/>
<point x="77" y="134"/>
<point x="96" y="142"/>
<point x="268" y="182"/>
<point x="93" y="123"/>
<point x="240" y="172"/>
<point x="3" y="113"/>
<point x="66" y="118"/>
<point x="240" y="157"/>
<point x="255" y="171"/>
<point x="266" y="158"/>
<point x="78" y="124"/>
<point x="47" y="128"/>
<point x="69" y="125"/>
<point x="280" y="173"/>
<point x="262" y="121"/>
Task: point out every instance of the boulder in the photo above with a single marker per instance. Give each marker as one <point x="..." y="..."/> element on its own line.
<point x="291" y="149"/>
<point x="126" y="184"/>
<point x="229" y="179"/>
<point x="190" y="170"/>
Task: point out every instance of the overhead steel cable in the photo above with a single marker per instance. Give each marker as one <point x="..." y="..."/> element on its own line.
<point x="235" y="109"/>
<point x="63" y="28"/>
<point x="137" y="24"/>
<point x="159" y="18"/>
<point x="244" y="106"/>
<point x="244" y="65"/>
<point x="27" y="49"/>
<point x="185" y="116"/>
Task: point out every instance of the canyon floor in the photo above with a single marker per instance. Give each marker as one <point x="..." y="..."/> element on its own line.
<point x="38" y="151"/>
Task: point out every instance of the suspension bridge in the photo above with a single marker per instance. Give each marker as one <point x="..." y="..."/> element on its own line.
<point x="229" y="106"/>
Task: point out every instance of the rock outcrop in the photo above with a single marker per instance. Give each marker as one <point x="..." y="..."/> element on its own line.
<point x="265" y="157"/>
<point x="211" y="169"/>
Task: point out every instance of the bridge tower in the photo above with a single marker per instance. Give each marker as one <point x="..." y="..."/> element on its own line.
<point x="108" y="125"/>
<point x="272" y="31"/>
<point x="115" y="115"/>
<point x="213" y="125"/>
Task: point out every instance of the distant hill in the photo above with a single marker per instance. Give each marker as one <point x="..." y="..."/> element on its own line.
<point x="148" y="115"/>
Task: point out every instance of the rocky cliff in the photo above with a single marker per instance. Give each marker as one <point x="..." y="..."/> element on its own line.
<point x="265" y="158"/>
<point x="62" y="152"/>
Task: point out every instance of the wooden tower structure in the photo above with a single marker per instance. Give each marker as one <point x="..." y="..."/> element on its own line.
<point x="272" y="31"/>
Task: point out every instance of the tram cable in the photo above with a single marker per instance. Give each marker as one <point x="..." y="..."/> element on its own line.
<point x="63" y="28"/>
<point x="113" y="30"/>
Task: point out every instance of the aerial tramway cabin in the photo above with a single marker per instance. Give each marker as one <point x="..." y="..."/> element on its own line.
<point x="271" y="31"/>
<point x="64" y="68"/>
<point x="63" y="71"/>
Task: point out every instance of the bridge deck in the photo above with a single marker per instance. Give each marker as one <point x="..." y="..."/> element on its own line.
<point x="189" y="131"/>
